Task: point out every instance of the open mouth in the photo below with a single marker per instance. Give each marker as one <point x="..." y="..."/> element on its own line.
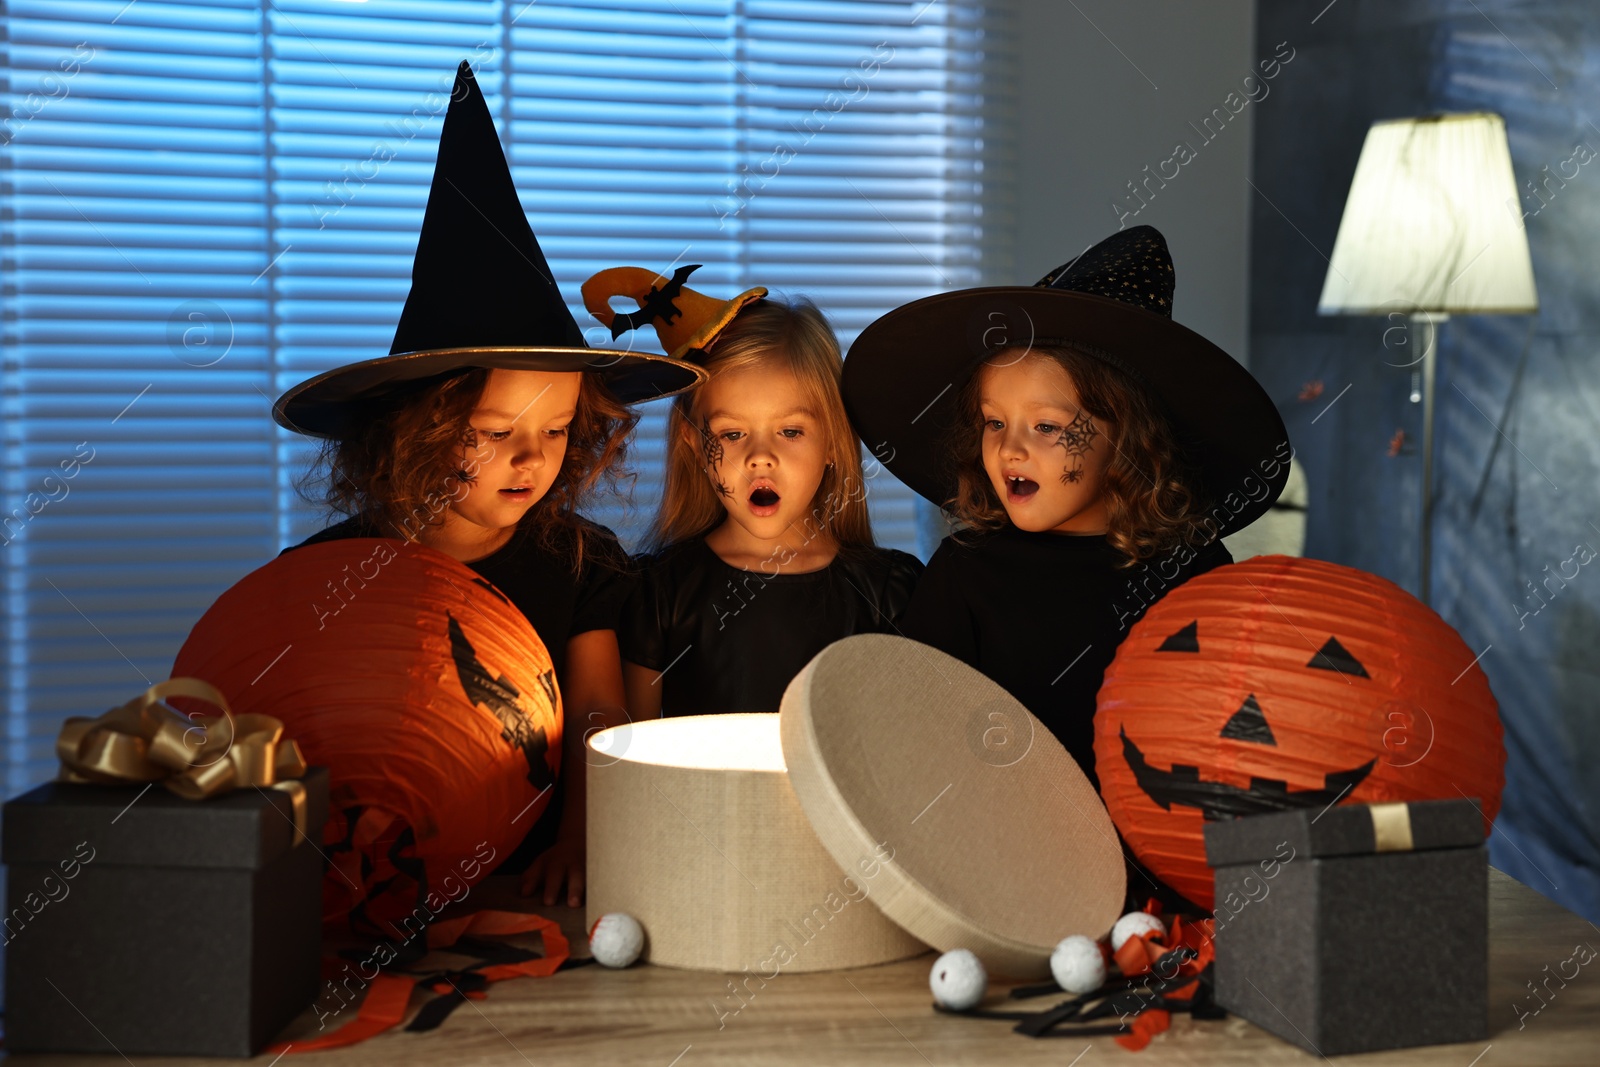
<point x="764" y="500"/>
<point x="521" y="492"/>
<point x="1019" y="489"/>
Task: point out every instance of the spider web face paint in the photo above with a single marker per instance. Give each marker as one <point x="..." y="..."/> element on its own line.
<point x="711" y="449"/>
<point x="1077" y="439"/>
<point x="472" y="450"/>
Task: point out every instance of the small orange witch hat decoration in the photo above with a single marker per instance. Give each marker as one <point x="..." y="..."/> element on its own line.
<point x="686" y="321"/>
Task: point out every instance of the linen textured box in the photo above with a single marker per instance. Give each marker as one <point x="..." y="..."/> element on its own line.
<point x="1358" y="928"/>
<point x="822" y="837"/>
<point x="159" y="925"/>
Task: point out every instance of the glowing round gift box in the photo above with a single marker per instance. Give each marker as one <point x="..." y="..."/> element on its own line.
<point x="695" y="831"/>
<point x="900" y="800"/>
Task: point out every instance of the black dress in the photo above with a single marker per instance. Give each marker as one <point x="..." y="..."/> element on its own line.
<point x="559" y="602"/>
<point x="728" y="639"/>
<point x="1042" y="614"/>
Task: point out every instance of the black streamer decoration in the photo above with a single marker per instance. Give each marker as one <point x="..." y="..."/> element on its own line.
<point x="1121" y="998"/>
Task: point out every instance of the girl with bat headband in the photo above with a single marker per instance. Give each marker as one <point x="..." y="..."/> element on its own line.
<point x="482" y="433"/>
<point x="762" y="551"/>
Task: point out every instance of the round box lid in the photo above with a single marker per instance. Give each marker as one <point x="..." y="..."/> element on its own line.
<point x="991" y="837"/>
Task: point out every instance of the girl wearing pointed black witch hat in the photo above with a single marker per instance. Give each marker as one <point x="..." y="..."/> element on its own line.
<point x="483" y="432"/>
<point x="1090" y="450"/>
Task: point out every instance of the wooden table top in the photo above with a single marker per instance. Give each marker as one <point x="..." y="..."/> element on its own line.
<point x="882" y="1016"/>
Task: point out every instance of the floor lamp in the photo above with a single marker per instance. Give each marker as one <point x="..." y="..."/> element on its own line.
<point x="1432" y="228"/>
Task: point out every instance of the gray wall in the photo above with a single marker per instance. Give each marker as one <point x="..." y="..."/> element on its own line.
<point x="1517" y="453"/>
<point x="1106" y="89"/>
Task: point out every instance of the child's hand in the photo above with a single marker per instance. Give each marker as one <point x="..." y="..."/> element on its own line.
<point x="562" y="862"/>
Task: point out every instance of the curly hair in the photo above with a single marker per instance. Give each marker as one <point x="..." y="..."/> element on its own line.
<point x="1151" y="496"/>
<point x="785" y="337"/>
<point x="404" y="470"/>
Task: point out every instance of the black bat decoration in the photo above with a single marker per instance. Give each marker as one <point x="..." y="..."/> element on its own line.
<point x="657" y="305"/>
<point x="502" y="699"/>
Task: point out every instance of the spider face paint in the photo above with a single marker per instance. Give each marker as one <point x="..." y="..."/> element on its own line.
<point x="765" y="448"/>
<point x="711" y="450"/>
<point x="1077" y="439"/>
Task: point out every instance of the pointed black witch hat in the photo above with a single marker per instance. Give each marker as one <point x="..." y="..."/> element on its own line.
<point x="1114" y="302"/>
<point x="482" y="295"/>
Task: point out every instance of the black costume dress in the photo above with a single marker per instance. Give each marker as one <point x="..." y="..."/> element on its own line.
<point x="1042" y="614"/>
<point x="728" y="639"/>
<point x="559" y="602"/>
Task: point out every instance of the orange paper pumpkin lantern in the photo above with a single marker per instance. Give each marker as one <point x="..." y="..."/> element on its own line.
<point x="1278" y="683"/>
<point x="423" y="690"/>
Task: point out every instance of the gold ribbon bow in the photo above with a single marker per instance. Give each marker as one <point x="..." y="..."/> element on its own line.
<point x="196" y="757"/>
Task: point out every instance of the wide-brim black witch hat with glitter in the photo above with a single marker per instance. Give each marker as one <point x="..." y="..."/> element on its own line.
<point x="482" y="295"/>
<point x="1114" y="302"/>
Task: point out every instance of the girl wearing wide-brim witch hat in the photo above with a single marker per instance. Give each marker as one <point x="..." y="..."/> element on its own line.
<point x="1091" y="451"/>
<point x="761" y="551"/>
<point x="483" y="432"/>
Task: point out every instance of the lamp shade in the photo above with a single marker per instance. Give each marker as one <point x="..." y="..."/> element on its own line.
<point x="1432" y="223"/>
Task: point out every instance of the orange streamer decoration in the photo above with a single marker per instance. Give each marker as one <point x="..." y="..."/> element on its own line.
<point x="1140" y="955"/>
<point x="389" y="994"/>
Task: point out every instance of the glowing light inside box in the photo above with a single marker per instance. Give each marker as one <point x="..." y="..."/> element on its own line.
<point x="702" y="742"/>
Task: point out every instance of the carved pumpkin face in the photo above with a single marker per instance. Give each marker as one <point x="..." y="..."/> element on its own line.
<point x="422" y="689"/>
<point x="1280" y="683"/>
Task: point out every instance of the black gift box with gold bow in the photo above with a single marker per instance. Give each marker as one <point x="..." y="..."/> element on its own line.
<point x="1355" y="928"/>
<point x="163" y="918"/>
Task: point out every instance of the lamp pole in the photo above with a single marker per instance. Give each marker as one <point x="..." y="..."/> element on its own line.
<point x="1430" y="362"/>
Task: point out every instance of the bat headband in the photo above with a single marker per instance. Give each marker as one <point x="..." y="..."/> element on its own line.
<point x="686" y="321"/>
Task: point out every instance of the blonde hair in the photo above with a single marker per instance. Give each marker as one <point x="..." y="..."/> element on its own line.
<point x="777" y="336"/>
<point x="1152" y="503"/>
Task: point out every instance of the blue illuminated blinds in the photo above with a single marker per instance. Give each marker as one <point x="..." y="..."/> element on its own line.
<point x="203" y="203"/>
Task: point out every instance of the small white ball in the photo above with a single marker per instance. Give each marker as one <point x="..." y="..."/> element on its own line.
<point x="1078" y="965"/>
<point x="958" y="979"/>
<point x="1134" y="924"/>
<point x="616" y="939"/>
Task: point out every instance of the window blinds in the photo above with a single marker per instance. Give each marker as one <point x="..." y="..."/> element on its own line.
<point x="202" y="203"/>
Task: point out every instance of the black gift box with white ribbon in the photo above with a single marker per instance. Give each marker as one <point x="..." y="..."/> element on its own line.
<point x="138" y="921"/>
<point x="1355" y="928"/>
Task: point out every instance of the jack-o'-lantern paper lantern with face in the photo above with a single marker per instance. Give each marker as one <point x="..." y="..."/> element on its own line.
<point x="422" y="689"/>
<point x="1279" y="683"/>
